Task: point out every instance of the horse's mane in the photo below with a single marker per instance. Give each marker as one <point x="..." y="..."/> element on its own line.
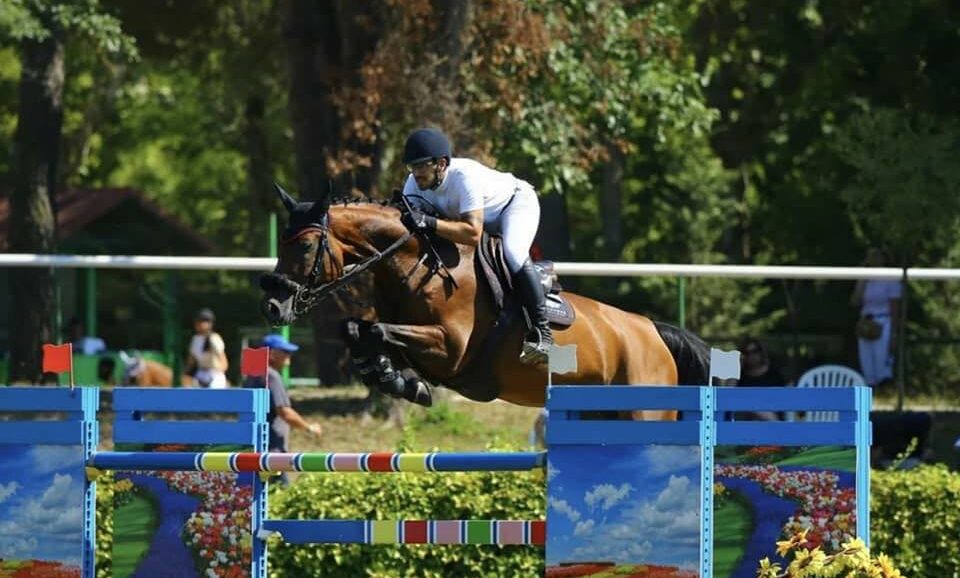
<point x="346" y="200"/>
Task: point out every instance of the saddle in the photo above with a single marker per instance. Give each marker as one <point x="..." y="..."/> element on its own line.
<point x="491" y="268"/>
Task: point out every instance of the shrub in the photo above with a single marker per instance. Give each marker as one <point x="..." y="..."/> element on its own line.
<point x="914" y="518"/>
<point x="105" y="492"/>
<point x="412" y="496"/>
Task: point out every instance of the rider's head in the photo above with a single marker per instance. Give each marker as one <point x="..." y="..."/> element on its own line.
<point x="427" y="155"/>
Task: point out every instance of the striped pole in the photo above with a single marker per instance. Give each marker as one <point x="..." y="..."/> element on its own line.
<point x="501" y="532"/>
<point x="320" y="462"/>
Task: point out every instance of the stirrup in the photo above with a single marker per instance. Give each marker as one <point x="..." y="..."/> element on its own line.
<point x="533" y="352"/>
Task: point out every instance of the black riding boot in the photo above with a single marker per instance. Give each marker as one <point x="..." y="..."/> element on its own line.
<point x="537" y="342"/>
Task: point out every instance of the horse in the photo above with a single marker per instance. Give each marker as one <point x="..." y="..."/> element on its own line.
<point x="437" y="319"/>
<point x="138" y="371"/>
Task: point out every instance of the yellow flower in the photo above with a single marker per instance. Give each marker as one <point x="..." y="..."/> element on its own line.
<point x="885" y="564"/>
<point x="768" y="569"/>
<point x="795" y="540"/>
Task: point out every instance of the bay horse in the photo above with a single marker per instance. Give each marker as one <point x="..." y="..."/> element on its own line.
<point x="437" y="318"/>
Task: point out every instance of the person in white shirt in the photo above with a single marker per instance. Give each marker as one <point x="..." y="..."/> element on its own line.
<point x="879" y="303"/>
<point x="207" y="361"/>
<point x="472" y="197"/>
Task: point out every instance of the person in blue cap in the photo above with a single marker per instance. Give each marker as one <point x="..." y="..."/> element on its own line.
<point x="282" y="416"/>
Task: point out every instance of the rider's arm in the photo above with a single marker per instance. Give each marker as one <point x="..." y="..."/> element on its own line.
<point x="466" y="231"/>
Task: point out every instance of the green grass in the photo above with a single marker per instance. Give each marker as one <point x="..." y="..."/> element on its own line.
<point x="134" y="525"/>
<point x="833" y="457"/>
<point x="732" y="526"/>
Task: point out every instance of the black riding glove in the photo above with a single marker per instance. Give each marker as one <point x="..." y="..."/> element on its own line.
<point x="418" y="222"/>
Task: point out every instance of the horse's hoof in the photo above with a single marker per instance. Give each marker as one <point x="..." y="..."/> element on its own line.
<point x="419" y="393"/>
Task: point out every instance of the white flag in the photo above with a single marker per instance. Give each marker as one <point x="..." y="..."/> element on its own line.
<point x="724" y="364"/>
<point x="563" y="359"/>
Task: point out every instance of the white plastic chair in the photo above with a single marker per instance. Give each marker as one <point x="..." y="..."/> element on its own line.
<point x="829" y="376"/>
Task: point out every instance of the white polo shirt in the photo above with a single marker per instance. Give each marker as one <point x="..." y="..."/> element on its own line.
<point x="469" y="186"/>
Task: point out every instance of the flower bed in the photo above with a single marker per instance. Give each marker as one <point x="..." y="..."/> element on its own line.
<point x="218" y="532"/>
<point x="826" y="511"/>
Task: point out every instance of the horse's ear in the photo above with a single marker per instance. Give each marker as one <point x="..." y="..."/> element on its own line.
<point x="285" y="198"/>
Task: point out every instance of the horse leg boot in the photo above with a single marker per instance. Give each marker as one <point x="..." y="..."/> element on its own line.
<point x="375" y="369"/>
<point x="413" y="387"/>
<point x="537" y="342"/>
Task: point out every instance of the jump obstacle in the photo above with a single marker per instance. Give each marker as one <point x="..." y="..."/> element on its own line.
<point x="579" y="447"/>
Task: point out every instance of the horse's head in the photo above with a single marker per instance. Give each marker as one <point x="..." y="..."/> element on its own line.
<point x="308" y="258"/>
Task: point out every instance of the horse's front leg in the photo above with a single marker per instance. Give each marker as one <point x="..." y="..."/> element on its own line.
<point x="368" y="343"/>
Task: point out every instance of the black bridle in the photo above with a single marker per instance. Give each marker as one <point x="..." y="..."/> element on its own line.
<point x="312" y="291"/>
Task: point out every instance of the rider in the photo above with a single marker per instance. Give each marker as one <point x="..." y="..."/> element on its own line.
<point x="472" y="197"/>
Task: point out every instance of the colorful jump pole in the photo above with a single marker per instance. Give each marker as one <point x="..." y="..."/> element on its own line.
<point x="379" y="462"/>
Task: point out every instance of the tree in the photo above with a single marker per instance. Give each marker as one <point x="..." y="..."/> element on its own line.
<point x="32" y="223"/>
<point x="41" y="30"/>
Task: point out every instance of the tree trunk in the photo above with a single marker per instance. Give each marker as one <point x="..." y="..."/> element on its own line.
<point x="259" y="175"/>
<point x="454" y="18"/>
<point x="610" y="202"/>
<point x="327" y="44"/>
<point x="32" y="221"/>
<point x="443" y="108"/>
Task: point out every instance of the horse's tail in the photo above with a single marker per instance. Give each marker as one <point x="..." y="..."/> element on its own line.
<point x="690" y="353"/>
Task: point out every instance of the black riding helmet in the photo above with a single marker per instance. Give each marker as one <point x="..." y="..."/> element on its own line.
<point x="424" y="144"/>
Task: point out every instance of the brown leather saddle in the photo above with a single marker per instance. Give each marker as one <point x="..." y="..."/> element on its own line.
<point x="491" y="268"/>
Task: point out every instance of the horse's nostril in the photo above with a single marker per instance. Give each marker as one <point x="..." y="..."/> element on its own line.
<point x="271" y="310"/>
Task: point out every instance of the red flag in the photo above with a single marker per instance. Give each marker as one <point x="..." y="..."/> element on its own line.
<point x="253" y="361"/>
<point x="57" y="358"/>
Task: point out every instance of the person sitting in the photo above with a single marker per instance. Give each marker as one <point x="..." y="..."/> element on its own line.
<point x="756" y="370"/>
<point x="471" y="198"/>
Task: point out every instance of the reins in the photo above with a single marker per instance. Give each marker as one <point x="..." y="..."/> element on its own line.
<point x="312" y="291"/>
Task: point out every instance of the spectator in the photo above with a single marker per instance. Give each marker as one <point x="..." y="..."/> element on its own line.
<point x="282" y="416"/>
<point x="207" y="359"/>
<point x="84" y="344"/>
<point x="876" y="329"/>
<point x="756" y="370"/>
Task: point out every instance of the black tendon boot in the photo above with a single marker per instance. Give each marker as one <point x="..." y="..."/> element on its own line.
<point x="537" y="342"/>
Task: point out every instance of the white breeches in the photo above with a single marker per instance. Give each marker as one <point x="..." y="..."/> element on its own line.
<point x="876" y="361"/>
<point x="210" y="378"/>
<point x="517" y="226"/>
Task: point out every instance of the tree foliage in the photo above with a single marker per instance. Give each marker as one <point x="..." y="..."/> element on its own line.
<point x="904" y="187"/>
<point x="704" y="131"/>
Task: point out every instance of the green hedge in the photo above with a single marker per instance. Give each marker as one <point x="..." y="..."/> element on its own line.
<point x="505" y="496"/>
<point x="105" y="525"/>
<point x="915" y="519"/>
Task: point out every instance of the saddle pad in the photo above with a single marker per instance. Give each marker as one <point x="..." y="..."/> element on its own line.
<point x="559" y="311"/>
